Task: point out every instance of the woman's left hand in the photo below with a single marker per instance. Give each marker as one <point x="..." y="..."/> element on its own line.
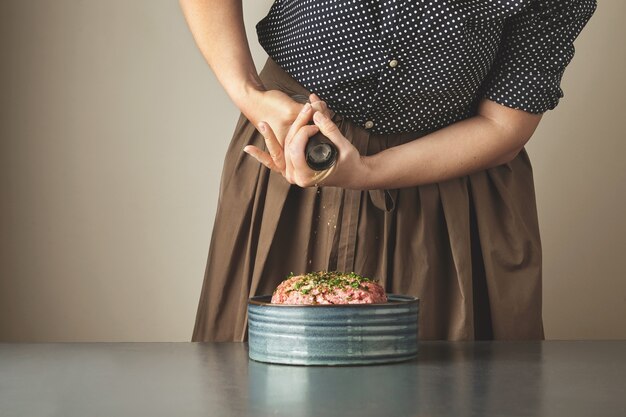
<point x="349" y="171"/>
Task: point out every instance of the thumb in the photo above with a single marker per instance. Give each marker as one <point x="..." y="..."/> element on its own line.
<point x="329" y="129"/>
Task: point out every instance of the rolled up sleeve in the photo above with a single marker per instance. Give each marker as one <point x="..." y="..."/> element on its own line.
<point x="536" y="46"/>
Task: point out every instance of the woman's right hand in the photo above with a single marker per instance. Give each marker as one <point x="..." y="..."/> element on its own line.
<point x="276" y="108"/>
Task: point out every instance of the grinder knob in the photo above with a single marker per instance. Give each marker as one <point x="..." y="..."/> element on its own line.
<point x="320" y="152"/>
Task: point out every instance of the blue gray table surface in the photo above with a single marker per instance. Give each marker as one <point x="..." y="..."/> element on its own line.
<point x="550" y="378"/>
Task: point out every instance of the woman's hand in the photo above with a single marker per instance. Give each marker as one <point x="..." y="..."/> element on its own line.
<point x="276" y="108"/>
<point x="289" y="159"/>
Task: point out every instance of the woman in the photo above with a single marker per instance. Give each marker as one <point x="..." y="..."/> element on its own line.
<point x="430" y="105"/>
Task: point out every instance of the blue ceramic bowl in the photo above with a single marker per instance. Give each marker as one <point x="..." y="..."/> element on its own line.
<point x="333" y="334"/>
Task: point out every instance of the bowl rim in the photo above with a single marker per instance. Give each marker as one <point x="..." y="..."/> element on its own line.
<point x="399" y="299"/>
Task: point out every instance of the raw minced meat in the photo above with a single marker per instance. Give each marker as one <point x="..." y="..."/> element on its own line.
<point x="328" y="288"/>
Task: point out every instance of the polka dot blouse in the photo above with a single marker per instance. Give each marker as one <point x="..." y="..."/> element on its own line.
<point x="412" y="65"/>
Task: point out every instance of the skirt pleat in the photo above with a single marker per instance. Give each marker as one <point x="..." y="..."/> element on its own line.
<point x="468" y="247"/>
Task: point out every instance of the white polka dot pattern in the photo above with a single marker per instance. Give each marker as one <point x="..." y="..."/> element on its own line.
<point x="396" y="66"/>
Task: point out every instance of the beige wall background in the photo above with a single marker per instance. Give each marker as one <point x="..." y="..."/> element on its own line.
<point x="113" y="131"/>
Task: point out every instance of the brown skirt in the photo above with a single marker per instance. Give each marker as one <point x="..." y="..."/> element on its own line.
<point x="469" y="247"/>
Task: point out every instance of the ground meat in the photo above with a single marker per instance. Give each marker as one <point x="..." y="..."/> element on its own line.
<point x="328" y="288"/>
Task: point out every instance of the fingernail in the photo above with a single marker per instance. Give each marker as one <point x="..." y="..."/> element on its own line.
<point x="306" y="107"/>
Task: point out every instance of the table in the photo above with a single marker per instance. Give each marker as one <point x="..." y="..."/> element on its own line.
<point x="486" y="378"/>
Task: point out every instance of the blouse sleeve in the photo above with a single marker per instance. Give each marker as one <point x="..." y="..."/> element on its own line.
<point x="537" y="44"/>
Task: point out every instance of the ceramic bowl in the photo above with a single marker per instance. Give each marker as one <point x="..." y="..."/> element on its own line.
<point x="333" y="334"/>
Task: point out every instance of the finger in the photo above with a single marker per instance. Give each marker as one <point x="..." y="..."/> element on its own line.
<point x="314" y="97"/>
<point x="303" y="176"/>
<point x="297" y="147"/>
<point x="274" y="148"/>
<point x="261" y="156"/>
<point x="303" y="118"/>
<point x="331" y="131"/>
<point x="322" y="107"/>
<point x="289" y="169"/>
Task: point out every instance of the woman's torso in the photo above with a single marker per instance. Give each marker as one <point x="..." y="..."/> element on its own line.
<point x="393" y="65"/>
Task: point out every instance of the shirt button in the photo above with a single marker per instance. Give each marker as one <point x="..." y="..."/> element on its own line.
<point x="369" y="124"/>
<point x="393" y="63"/>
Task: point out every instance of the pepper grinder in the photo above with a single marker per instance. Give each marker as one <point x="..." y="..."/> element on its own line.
<point x="320" y="152"/>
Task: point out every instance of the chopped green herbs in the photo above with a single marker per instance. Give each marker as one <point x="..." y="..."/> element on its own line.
<point x="329" y="281"/>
